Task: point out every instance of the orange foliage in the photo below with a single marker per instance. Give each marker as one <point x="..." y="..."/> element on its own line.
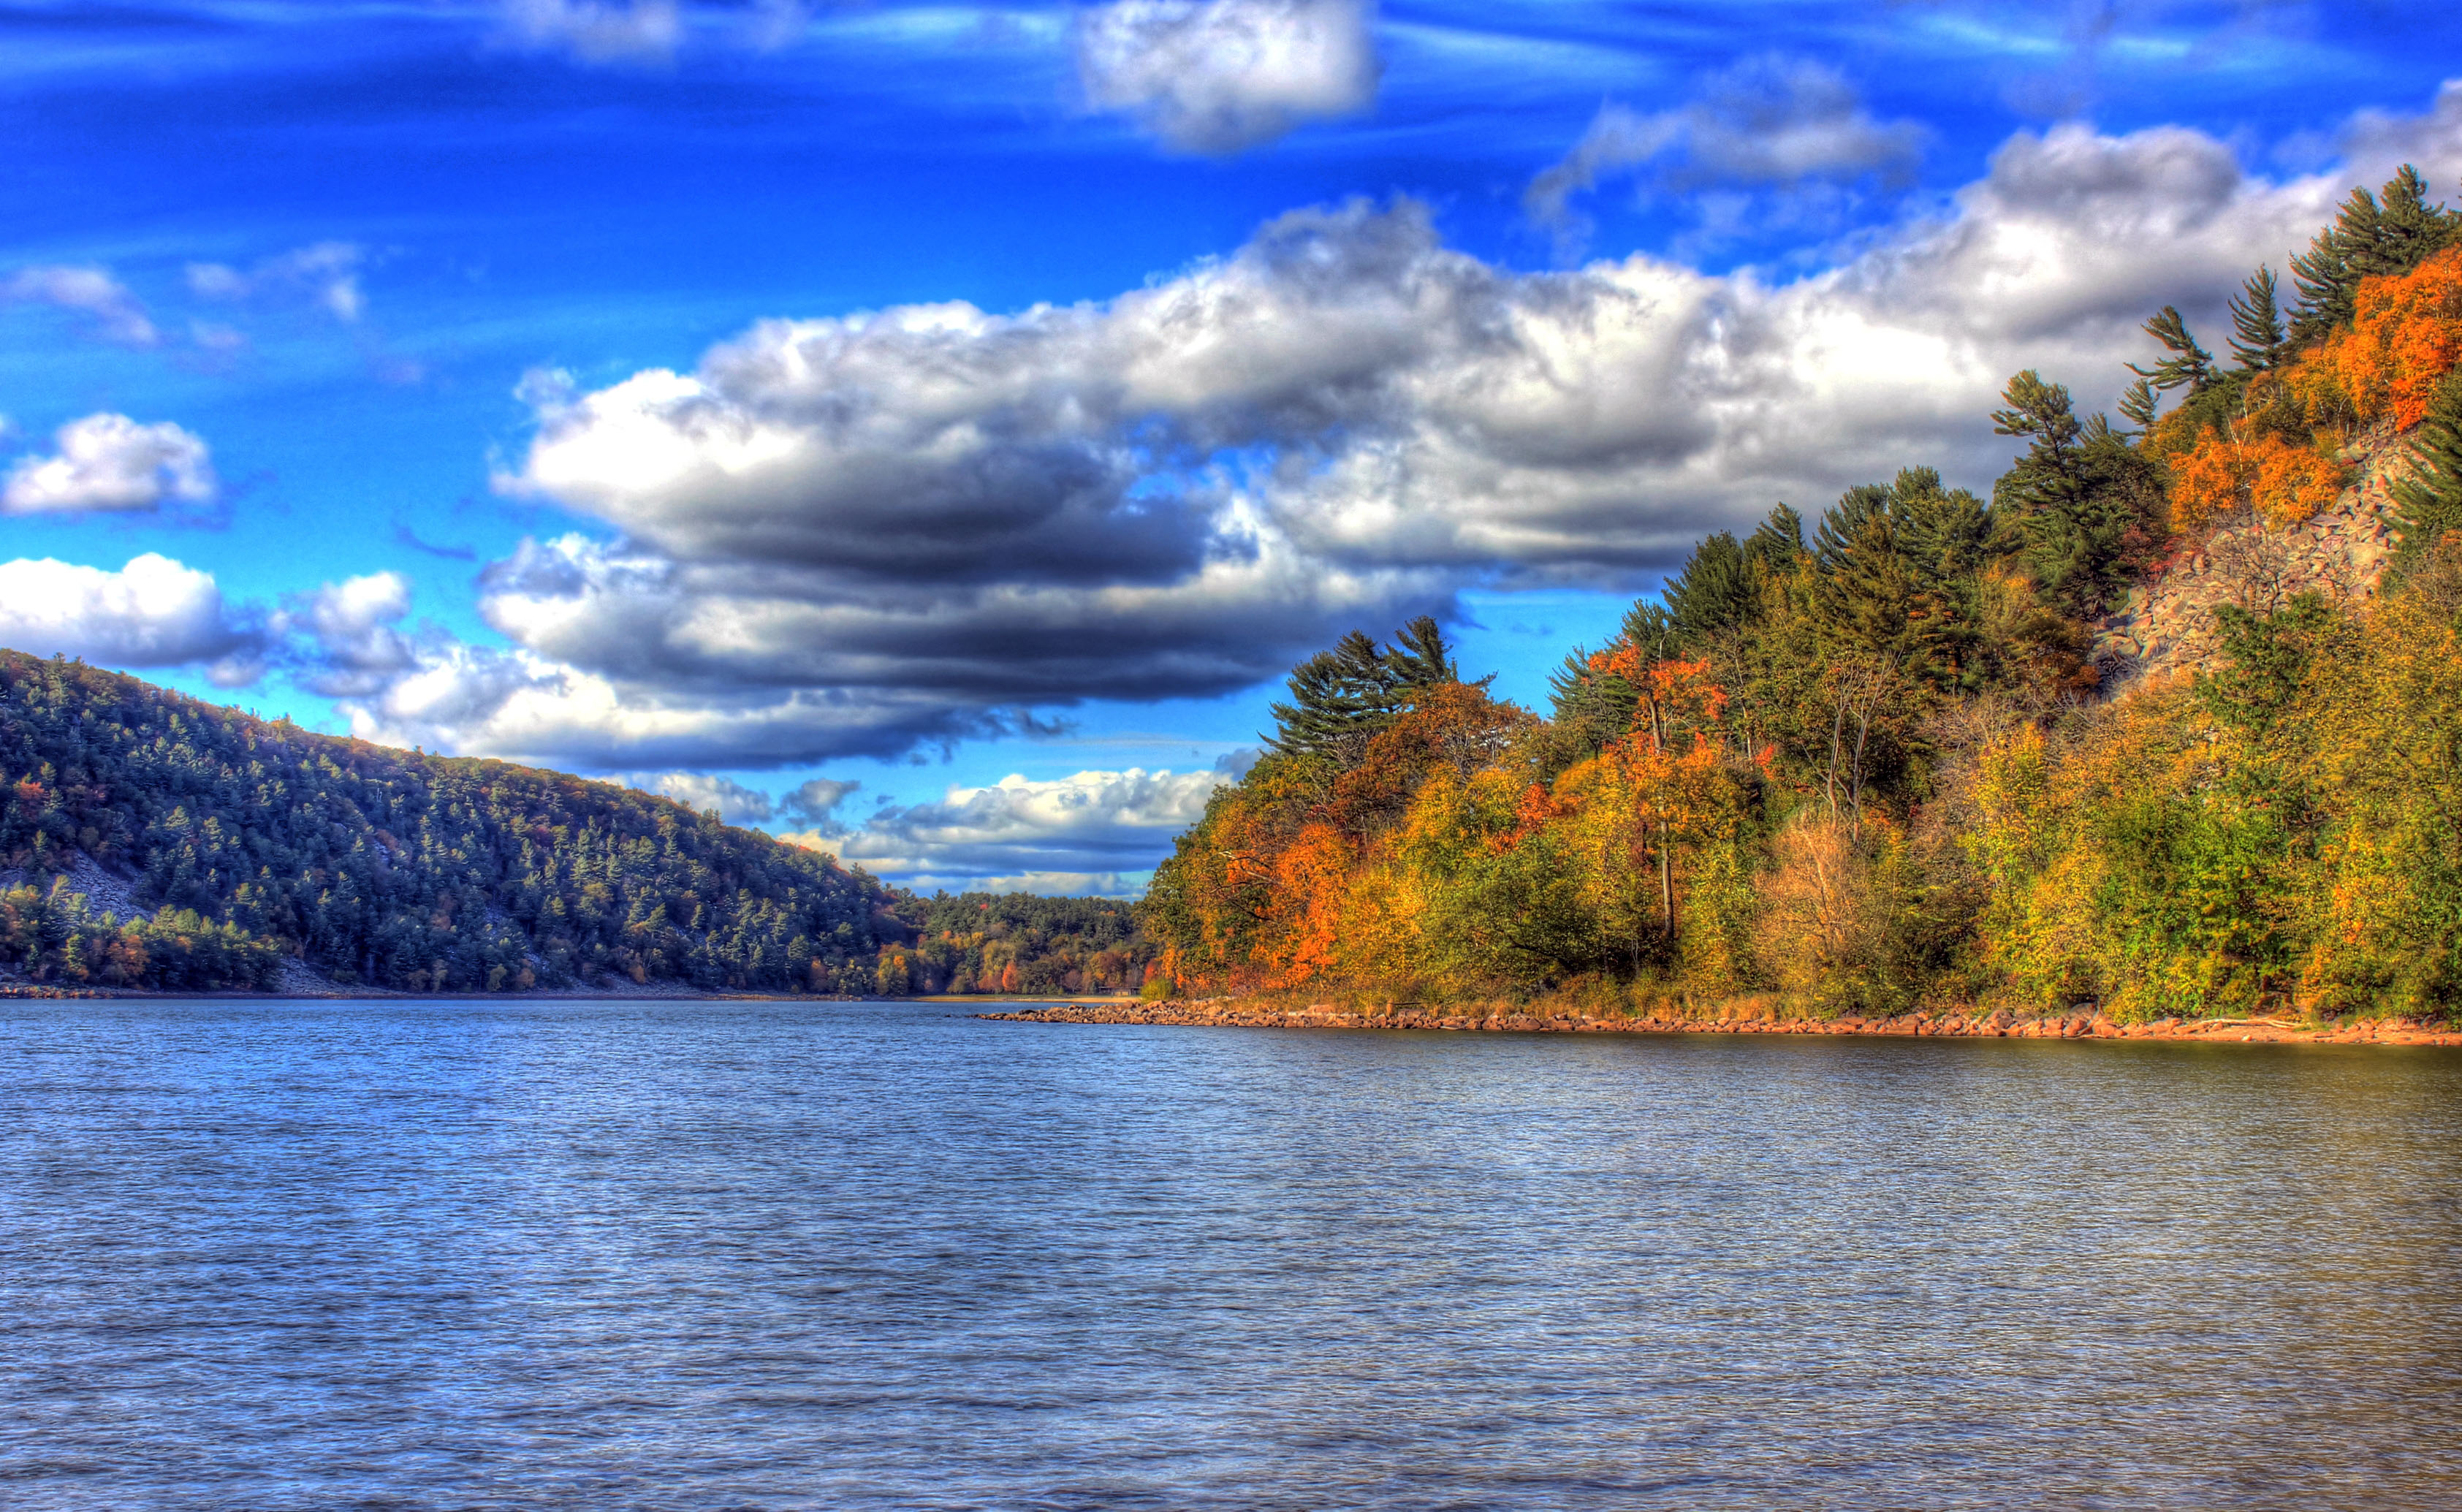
<point x="1308" y="888"/>
<point x="2219" y="473"/>
<point x="2405" y="337"/>
<point x="1675" y="695"/>
<point x="1536" y="811"/>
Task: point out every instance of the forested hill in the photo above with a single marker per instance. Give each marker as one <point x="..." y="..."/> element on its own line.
<point x="237" y="843"/>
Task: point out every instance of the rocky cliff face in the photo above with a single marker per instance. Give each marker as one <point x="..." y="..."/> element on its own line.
<point x="2167" y="625"/>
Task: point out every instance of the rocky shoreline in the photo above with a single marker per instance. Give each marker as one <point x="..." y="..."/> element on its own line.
<point x="1745" y="1019"/>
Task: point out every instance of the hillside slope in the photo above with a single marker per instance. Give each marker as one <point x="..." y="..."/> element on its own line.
<point x="2167" y="625"/>
<point x="151" y="839"/>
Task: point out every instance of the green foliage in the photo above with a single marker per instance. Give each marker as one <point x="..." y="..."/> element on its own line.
<point x="245" y="841"/>
<point x="2429" y="498"/>
<point x="2258" y="341"/>
<point x="1340" y="698"/>
<point x="2083" y="509"/>
<point x="1716" y="591"/>
<point x="2188" y="365"/>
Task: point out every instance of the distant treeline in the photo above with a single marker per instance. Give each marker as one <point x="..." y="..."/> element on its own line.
<point x="1010" y="944"/>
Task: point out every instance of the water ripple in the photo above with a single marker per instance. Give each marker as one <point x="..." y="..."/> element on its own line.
<point x="481" y="1255"/>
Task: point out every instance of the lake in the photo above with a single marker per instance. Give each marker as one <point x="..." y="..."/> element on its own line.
<point x="413" y="1254"/>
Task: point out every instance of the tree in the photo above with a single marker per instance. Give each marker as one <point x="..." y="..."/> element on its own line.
<point x="1715" y="591"/>
<point x="2082" y="506"/>
<point x="2189" y="366"/>
<point x="2430" y="499"/>
<point x="2257" y="337"/>
<point x="2368" y="239"/>
<point x="1340" y="698"/>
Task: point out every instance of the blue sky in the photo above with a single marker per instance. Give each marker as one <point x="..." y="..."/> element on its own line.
<point x="932" y="429"/>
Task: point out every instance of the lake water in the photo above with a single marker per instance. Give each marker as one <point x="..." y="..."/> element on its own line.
<point x="748" y="1255"/>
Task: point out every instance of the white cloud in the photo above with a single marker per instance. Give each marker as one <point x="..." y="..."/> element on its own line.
<point x="117" y="315"/>
<point x="1222" y="75"/>
<point x="325" y="275"/>
<point x="1095" y="831"/>
<point x="111" y="462"/>
<point x="357" y="647"/>
<point x="635" y="31"/>
<point x="152" y="613"/>
<point x="854" y="535"/>
<point x="702" y="791"/>
<point x="1770" y="121"/>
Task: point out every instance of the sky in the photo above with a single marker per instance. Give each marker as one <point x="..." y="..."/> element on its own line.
<point x="931" y="432"/>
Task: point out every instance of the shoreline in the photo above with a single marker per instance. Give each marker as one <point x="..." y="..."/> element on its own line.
<point x="1748" y="1019"/>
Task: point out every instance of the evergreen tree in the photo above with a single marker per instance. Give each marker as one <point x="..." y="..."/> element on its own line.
<point x="1715" y="591"/>
<point x="2138" y="402"/>
<point x="1778" y="542"/>
<point x="1340" y="698"/>
<point x="2430" y="498"/>
<point x="1419" y="656"/>
<point x="2368" y="239"/>
<point x="2257" y="338"/>
<point x="2189" y="366"/>
<point x="2082" y="506"/>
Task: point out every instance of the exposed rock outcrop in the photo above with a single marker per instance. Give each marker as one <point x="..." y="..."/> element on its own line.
<point x="2166" y="625"/>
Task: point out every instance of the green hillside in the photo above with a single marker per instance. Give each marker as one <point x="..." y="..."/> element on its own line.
<point x="242" y="842"/>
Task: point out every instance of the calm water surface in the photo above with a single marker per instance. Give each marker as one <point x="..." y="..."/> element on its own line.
<point x="410" y="1255"/>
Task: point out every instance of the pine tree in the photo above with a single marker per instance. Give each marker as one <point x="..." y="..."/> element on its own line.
<point x="1842" y="525"/>
<point x="2327" y="281"/>
<point x="1714" y="592"/>
<point x="1779" y="540"/>
<point x="2410" y="230"/>
<point x="1419" y="656"/>
<point x="2137" y="404"/>
<point x="2189" y="365"/>
<point x="2430" y="498"/>
<point x="2368" y="239"/>
<point x="1340" y="698"/>
<point x="2257" y="338"/>
<point x="2075" y="505"/>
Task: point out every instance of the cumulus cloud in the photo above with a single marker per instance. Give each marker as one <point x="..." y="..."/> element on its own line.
<point x="1222" y="75"/>
<point x="852" y="536"/>
<point x="1768" y="121"/>
<point x="116" y="313"/>
<point x="152" y="613"/>
<point x="355" y="630"/>
<point x="109" y="462"/>
<point x="1096" y="832"/>
<point x="324" y="275"/>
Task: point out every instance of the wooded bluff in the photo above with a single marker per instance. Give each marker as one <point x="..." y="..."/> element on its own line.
<point x="1931" y="748"/>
